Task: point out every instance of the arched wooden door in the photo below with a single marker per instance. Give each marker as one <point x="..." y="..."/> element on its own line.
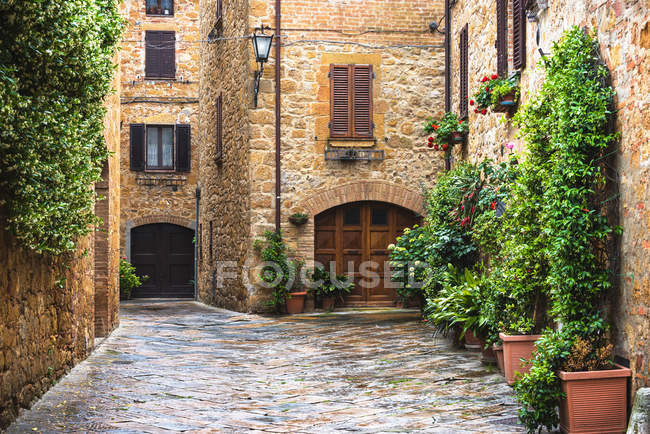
<point x="354" y="238"/>
<point x="165" y="253"/>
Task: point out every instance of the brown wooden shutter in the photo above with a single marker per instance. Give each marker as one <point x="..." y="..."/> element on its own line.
<point x="340" y="107"/>
<point x="502" y="38"/>
<point x="519" y="34"/>
<point x="160" y="54"/>
<point x="183" y="147"/>
<point x="362" y="97"/>
<point x="219" y="128"/>
<point x="463" y="99"/>
<point x="137" y="147"/>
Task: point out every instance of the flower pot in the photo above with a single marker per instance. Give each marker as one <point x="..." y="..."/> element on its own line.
<point x="310" y="303"/>
<point x="498" y="352"/>
<point x="472" y="342"/>
<point x="488" y="357"/>
<point x="457" y="137"/>
<point x="506" y="103"/>
<point x="596" y="401"/>
<point x="296" y="302"/>
<point x="298" y="221"/>
<point x="328" y="303"/>
<point x="515" y="348"/>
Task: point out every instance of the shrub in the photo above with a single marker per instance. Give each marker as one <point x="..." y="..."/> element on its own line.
<point x="408" y="260"/>
<point x="128" y="279"/>
<point x="328" y="285"/>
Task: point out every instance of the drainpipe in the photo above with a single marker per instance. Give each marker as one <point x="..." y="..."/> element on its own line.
<point x="278" y="139"/>
<point x="196" y="243"/>
<point x="448" y="68"/>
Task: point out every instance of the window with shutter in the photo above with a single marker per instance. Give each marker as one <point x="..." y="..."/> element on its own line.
<point x="463" y="98"/>
<point x="183" y="148"/>
<point x="502" y="37"/>
<point x="160" y="147"/>
<point x="219" y="129"/>
<point x="351" y="101"/>
<point x="137" y="147"/>
<point x="160" y="7"/>
<point x="160" y="54"/>
<point x="519" y="34"/>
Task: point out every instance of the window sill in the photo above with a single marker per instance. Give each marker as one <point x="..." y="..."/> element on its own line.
<point x="170" y="179"/>
<point x="160" y="78"/>
<point x="351" y="142"/>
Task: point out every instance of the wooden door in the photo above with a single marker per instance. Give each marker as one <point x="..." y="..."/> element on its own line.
<point x="165" y="253"/>
<point x="353" y="239"/>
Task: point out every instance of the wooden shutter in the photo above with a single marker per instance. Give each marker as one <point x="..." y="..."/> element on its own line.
<point x="183" y="148"/>
<point x="519" y="34"/>
<point x="502" y="38"/>
<point x="219" y="128"/>
<point x="362" y="97"/>
<point x="137" y="147"/>
<point x="160" y="54"/>
<point x="340" y="107"/>
<point x="463" y="98"/>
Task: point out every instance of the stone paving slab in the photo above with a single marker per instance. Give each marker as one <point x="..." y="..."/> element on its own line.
<point x="184" y="367"/>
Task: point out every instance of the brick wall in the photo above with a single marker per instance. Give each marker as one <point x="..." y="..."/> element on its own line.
<point x="623" y="30"/>
<point x="167" y="102"/>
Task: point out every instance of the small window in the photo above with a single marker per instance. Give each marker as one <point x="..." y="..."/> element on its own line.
<point x="352" y="216"/>
<point x="160" y="7"/>
<point x="160" y="148"/>
<point x="160" y="54"/>
<point x="379" y="217"/>
<point x="351" y="101"/>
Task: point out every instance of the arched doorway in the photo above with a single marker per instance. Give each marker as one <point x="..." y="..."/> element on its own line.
<point x="355" y="237"/>
<point x="165" y="253"/>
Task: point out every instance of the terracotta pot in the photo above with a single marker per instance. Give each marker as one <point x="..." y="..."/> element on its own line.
<point x="488" y="357"/>
<point x="472" y="342"/>
<point x="328" y="303"/>
<point x="498" y="352"/>
<point x="515" y="348"/>
<point x="296" y="302"/>
<point x="596" y="401"/>
<point x="506" y="103"/>
<point x="457" y="137"/>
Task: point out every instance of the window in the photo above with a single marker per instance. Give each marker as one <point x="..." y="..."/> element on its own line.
<point x="502" y="38"/>
<point x="160" y="147"/>
<point x="463" y="97"/>
<point x="519" y="34"/>
<point x="351" y="101"/>
<point x="160" y="7"/>
<point x="160" y="54"/>
<point x="218" y="154"/>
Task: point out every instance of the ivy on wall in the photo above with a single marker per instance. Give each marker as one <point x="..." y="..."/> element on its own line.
<point x="56" y="66"/>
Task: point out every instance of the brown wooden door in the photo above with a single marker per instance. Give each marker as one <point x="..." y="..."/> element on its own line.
<point x="353" y="239"/>
<point x="165" y="253"/>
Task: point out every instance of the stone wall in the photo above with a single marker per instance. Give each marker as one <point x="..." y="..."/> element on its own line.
<point x="224" y="230"/>
<point x="623" y="29"/>
<point x="175" y="101"/>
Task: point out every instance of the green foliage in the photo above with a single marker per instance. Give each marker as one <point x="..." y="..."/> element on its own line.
<point x="128" y="279"/>
<point x="55" y="71"/>
<point x="492" y="90"/>
<point x="278" y="271"/>
<point x="565" y="125"/>
<point x="444" y="128"/>
<point x="326" y="285"/>
<point x="408" y="259"/>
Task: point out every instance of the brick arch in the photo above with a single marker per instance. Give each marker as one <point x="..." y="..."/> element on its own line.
<point x="161" y="218"/>
<point x="364" y="191"/>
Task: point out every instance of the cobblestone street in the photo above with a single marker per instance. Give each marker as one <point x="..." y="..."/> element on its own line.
<point x="181" y="366"/>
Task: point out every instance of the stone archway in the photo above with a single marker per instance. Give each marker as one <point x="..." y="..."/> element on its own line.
<point x="151" y="219"/>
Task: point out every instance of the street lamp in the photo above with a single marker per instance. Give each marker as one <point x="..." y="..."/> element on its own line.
<point x="262" y="47"/>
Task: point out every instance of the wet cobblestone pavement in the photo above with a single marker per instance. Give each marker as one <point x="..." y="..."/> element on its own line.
<point x="181" y="366"/>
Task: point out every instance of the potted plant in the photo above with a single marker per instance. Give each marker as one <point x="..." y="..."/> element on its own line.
<point x="128" y="279"/>
<point x="298" y="218"/>
<point x="327" y="289"/>
<point x="296" y="302"/>
<point x="446" y="131"/>
<point x="498" y="93"/>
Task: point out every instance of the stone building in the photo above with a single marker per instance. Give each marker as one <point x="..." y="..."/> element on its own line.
<point x="623" y="30"/>
<point x="362" y="172"/>
<point x="159" y="131"/>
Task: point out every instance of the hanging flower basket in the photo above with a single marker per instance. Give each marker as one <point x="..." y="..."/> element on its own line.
<point x="298" y="219"/>
<point x="497" y="93"/>
<point x="446" y="132"/>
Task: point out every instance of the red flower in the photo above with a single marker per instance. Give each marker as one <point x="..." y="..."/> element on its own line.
<point x="430" y="139"/>
<point x="436" y="147"/>
<point x="445" y="146"/>
<point x="471" y="102"/>
<point x="430" y="144"/>
<point x="484" y="79"/>
<point x="585" y="209"/>
<point x="463" y="222"/>
<point x="475" y="110"/>
<point x="495" y="76"/>
<point x="460" y="122"/>
<point x="487" y="89"/>
<point x="435" y="127"/>
<point x="483" y="111"/>
<point x="473" y="209"/>
<point x="494" y="205"/>
<point x="462" y="207"/>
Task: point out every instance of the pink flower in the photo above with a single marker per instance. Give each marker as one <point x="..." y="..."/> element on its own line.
<point x="510" y="145"/>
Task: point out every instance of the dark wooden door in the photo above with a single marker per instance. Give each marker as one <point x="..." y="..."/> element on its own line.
<point x="165" y="253"/>
<point x="353" y="239"/>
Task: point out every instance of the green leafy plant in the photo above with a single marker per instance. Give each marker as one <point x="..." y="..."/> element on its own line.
<point x="56" y="68"/>
<point x="298" y="218"/>
<point x="327" y="285"/>
<point x="408" y="261"/>
<point x="491" y="90"/>
<point x="128" y="279"/>
<point x="444" y="129"/>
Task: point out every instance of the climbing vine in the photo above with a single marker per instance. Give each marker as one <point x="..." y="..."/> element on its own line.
<point x="56" y="66"/>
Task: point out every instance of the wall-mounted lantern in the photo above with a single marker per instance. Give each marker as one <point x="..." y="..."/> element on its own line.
<point x="262" y="47"/>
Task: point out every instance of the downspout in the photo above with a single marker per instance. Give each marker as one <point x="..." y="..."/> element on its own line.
<point x="278" y="140"/>
<point x="447" y="68"/>
<point x="196" y="244"/>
